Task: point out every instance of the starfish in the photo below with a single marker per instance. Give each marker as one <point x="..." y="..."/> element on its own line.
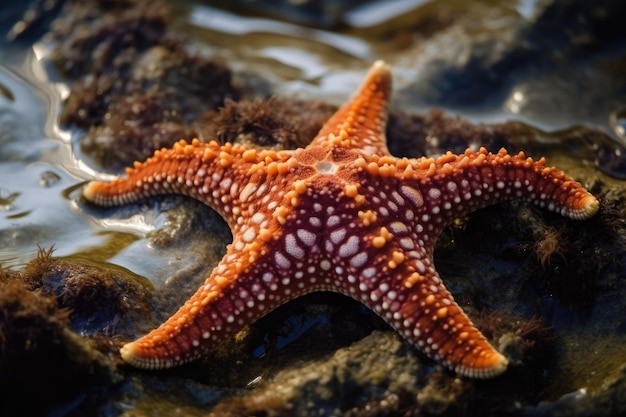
<point x="340" y="215"/>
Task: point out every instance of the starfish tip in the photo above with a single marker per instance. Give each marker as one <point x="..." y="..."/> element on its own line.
<point x="591" y="207"/>
<point x="128" y="353"/>
<point x="497" y="365"/>
<point x="381" y="72"/>
<point x="381" y="65"/>
<point x="490" y="366"/>
<point x="131" y="354"/>
<point x="89" y="191"/>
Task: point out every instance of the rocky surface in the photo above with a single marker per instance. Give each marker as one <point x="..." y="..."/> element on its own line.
<point x="547" y="291"/>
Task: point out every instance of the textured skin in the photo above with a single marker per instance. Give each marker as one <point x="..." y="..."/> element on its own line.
<point x="340" y="215"/>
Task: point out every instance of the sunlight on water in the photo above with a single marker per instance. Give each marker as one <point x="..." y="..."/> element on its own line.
<point x="38" y="215"/>
<point x="225" y="22"/>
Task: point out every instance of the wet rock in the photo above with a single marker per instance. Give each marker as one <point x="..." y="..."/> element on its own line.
<point x="372" y="373"/>
<point x="40" y="356"/>
<point x="555" y="64"/>
<point x="101" y="300"/>
<point x="489" y="57"/>
<point x="416" y="135"/>
<point x="381" y="374"/>
<point x="138" y="88"/>
<point x="275" y="122"/>
<point x="583" y="402"/>
<point x="98" y="36"/>
<point x="191" y="234"/>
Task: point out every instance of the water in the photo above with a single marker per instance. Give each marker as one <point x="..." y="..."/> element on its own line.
<point x="40" y="177"/>
<point x="38" y="215"/>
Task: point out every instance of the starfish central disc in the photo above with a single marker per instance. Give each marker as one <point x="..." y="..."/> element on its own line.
<point x="341" y="215"/>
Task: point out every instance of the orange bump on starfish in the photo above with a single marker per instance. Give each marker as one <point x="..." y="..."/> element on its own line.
<point x="340" y="215"/>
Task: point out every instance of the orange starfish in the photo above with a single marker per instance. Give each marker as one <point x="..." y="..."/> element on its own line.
<point x="340" y="215"/>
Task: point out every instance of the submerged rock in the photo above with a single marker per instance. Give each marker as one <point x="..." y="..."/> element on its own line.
<point x="137" y="87"/>
<point x="40" y="355"/>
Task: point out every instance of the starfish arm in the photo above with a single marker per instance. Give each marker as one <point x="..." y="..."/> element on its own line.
<point x="453" y="186"/>
<point x="396" y="278"/>
<point x="240" y="290"/>
<point x="360" y="123"/>
<point x="227" y="178"/>
<point x="429" y="317"/>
